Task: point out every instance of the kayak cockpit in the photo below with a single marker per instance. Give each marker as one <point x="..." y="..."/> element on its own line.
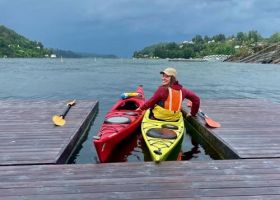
<point x="163" y="133"/>
<point x="128" y="105"/>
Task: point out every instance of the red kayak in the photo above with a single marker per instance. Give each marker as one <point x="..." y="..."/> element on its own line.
<point x="120" y="122"/>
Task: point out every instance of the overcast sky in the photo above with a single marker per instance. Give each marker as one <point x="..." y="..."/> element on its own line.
<point x="121" y="27"/>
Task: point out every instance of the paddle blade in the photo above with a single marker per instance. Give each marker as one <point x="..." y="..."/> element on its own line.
<point x="58" y="120"/>
<point x="210" y="122"/>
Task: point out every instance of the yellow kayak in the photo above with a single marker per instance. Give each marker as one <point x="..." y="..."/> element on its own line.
<point x="161" y="137"/>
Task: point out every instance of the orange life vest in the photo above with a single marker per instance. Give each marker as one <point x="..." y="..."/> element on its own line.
<point x="174" y="100"/>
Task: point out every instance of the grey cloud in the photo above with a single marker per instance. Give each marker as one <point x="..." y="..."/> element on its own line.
<point x="105" y="25"/>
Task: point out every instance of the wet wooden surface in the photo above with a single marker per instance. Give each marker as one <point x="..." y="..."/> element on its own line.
<point x="28" y="135"/>
<point x="29" y="141"/>
<point x="220" y="179"/>
<point x="250" y="128"/>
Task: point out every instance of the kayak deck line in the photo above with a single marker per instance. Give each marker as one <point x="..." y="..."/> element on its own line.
<point x="249" y="128"/>
<point x="28" y="135"/>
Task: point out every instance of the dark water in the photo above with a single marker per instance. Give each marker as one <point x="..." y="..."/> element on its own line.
<point x="105" y="79"/>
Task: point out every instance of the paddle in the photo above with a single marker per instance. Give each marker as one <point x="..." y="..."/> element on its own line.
<point x="210" y="122"/>
<point x="59" y="120"/>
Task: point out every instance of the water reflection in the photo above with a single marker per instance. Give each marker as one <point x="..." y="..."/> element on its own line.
<point x="193" y="153"/>
<point x="129" y="149"/>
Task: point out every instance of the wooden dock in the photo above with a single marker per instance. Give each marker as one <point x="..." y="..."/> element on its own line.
<point x="211" y="180"/>
<point x="29" y="141"/>
<point x="28" y="135"/>
<point x="250" y="128"/>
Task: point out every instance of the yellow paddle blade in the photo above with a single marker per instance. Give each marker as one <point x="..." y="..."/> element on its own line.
<point x="58" y="120"/>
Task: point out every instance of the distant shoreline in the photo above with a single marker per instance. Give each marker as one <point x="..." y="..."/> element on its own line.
<point x="188" y="60"/>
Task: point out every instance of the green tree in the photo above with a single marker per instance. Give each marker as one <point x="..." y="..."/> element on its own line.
<point x="254" y="36"/>
<point x="172" y="45"/>
<point x="206" y="38"/>
<point x="274" y="38"/>
<point x="241" y="37"/>
<point x="219" y="38"/>
<point x="197" y="39"/>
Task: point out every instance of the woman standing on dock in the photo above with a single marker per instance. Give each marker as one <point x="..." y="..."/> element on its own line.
<point x="167" y="101"/>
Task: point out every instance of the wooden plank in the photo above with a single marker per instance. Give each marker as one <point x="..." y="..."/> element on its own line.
<point x="245" y="123"/>
<point x="28" y="136"/>
<point x="223" y="179"/>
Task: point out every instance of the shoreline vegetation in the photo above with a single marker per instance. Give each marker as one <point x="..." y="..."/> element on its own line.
<point x="247" y="47"/>
<point x="13" y="45"/>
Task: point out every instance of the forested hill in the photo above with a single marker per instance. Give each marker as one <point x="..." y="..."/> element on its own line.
<point x="241" y="45"/>
<point x="71" y="54"/>
<point x="13" y="45"/>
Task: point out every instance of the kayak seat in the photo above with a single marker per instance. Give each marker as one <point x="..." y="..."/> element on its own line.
<point x="163" y="133"/>
<point x="117" y="120"/>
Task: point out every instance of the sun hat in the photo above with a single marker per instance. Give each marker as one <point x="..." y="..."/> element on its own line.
<point x="169" y="71"/>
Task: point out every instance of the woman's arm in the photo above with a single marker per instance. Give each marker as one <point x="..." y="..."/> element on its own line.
<point x="193" y="98"/>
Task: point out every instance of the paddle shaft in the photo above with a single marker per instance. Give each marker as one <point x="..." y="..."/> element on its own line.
<point x="210" y="122"/>
<point x="202" y="114"/>
<point x="66" y="111"/>
<point x="69" y="105"/>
